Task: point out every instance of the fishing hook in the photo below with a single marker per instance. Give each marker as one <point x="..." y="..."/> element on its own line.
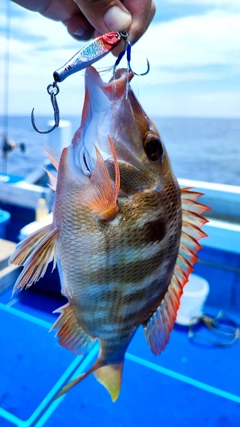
<point x="129" y="47"/>
<point x="52" y="90"/>
<point x="128" y="53"/>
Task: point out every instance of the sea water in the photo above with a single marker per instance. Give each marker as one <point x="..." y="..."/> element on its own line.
<point x="202" y="149"/>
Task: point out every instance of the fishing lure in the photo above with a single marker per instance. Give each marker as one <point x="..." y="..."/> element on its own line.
<point x="91" y="53"/>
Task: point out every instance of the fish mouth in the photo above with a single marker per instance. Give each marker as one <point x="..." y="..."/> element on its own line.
<point x="97" y="123"/>
<point x="114" y="89"/>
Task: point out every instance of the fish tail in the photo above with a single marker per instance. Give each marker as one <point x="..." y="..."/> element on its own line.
<point x="110" y="376"/>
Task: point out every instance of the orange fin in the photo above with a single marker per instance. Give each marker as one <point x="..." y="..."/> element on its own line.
<point x="99" y="195"/>
<point x="158" y="329"/>
<point x="110" y="376"/>
<point x="69" y="332"/>
<point x="52" y="156"/>
<point x="53" y="179"/>
<point x="26" y="247"/>
<point x="35" y="253"/>
<point x="54" y="159"/>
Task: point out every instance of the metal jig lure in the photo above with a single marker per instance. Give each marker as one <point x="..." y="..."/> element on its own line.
<point x="91" y="53"/>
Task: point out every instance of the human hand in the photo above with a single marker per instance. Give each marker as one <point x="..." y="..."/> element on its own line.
<point x="89" y="18"/>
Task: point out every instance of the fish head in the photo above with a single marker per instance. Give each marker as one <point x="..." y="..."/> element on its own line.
<point x="112" y="110"/>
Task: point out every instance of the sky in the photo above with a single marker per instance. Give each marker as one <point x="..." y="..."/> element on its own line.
<point x="193" y="47"/>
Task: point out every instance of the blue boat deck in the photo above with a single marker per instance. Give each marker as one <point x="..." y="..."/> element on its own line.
<point x="187" y="385"/>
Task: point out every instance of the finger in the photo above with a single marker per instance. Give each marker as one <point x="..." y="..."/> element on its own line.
<point x="79" y="27"/>
<point x="142" y="12"/>
<point x="105" y="15"/>
<point x="58" y="10"/>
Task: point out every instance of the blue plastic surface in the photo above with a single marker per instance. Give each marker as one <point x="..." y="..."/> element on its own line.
<point x="147" y="398"/>
<point x="31" y="362"/>
<point x="4" y="220"/>
<point x="5" y="423"/>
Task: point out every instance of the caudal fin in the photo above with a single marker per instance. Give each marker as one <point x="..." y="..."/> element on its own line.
<point x="110" y="376"/>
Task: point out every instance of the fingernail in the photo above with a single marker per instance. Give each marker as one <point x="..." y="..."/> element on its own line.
<point x="79" y="32"/>
<point x="117" y="20"/>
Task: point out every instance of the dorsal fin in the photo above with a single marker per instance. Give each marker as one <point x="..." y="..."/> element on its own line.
<point x="158" y="328"/>
<point x="99" y="195"/>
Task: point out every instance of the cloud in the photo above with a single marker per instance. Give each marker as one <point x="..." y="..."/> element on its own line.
<point x="215" y="3"/>
<point x="205" y="40"/>
<point x="37" y="48"/>
<point x="189" y="56"/>
<point x="184" y="104"/>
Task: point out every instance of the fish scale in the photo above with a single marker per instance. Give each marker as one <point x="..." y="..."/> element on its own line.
<point x="124" y="236"/>
<point x="122" y="304"/>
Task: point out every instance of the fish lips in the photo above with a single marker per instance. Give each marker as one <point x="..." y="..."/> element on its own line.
<point x="114" y="89"/>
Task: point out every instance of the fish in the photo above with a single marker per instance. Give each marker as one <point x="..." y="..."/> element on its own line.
<point x="124" y="235"/>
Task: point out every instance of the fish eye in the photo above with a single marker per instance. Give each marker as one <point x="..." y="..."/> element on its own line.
<point x="153" y="147"/>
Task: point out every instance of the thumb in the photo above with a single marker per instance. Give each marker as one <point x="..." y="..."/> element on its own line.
<point x="105" y="15"/>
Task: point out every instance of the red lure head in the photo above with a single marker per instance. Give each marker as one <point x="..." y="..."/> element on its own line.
<point x="113" y="38"/>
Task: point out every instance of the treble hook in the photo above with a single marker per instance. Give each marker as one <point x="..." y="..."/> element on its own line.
<point x="52" y="90"/>
<point x="129" y="46"/>
<point x="128" y="52"/>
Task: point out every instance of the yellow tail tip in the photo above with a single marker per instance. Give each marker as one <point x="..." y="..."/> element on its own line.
<point x="110" y="376"/>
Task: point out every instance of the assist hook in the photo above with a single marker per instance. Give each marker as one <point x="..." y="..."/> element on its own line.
<point x="128" y="53"/>
<point x="129" y="46"/>
<point x="52" y="90"/>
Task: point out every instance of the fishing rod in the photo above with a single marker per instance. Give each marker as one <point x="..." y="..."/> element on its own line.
<point x="7" y="145"/>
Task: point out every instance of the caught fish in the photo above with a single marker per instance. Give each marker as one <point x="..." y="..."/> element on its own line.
<point x="124" y="235"/>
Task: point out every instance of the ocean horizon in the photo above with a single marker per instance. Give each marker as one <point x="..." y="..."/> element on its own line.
<point x="204" y="149"/>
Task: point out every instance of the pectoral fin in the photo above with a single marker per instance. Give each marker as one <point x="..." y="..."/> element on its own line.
<point x="99" y="195"/>
<point x="53" y="156"/>
<point x="159" y="327"/>
<point x="35" y="253"/>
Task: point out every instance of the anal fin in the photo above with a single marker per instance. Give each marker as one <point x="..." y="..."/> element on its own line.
<point x="69" y="333"/>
